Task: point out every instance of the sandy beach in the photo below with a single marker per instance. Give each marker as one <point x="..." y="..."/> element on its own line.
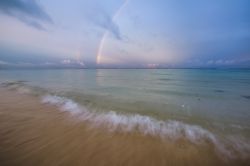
<point x="32" y="133"/>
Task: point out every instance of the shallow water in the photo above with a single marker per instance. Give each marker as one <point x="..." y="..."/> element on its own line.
<point x="208" y="111"/>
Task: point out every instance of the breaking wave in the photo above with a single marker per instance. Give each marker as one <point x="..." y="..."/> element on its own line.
<point x="144" y="124"/>
<point x="169" y="129"/>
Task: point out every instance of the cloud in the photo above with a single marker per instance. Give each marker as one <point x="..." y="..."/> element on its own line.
<point x="3" y="63"/>
<point x="26" y="11"/>
<point x="71" y="62"/>
<point x="105" y="21"/>
<point x="65" y="63"/>
<point x="100" y="18"/>
<point x="232" y="62"/>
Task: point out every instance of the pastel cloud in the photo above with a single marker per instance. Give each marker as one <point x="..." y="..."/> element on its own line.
<point x="161" y="33"/>
<point x="27" y="11"/>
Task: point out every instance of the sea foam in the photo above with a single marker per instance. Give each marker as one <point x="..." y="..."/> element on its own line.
<point x="127" y="122"/>
<point x="169" y="129"/>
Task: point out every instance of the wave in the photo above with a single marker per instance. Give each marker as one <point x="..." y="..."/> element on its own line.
<point x="169" y="129"/>
<point x="23" y="87"/>
<point x="19" y="86"/>
<point x="144" y="124"/>
<point x="228" y="146"/>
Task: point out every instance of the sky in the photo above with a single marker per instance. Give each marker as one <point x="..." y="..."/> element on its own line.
<point x="124" y="33"/>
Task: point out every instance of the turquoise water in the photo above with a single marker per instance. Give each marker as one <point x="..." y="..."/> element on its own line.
<point x="216" y="93"/>
<point x="218" y="101"/>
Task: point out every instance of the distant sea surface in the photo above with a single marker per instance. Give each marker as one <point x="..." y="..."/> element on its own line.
<point x="199" y="105"/>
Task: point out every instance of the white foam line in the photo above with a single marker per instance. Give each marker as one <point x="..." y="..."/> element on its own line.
<point x="170" y="129"/>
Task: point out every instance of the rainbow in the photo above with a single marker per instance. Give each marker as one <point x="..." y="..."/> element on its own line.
<point x="101" y="45"/>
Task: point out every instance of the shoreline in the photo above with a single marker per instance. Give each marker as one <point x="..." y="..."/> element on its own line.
<point x="32" y="133"/>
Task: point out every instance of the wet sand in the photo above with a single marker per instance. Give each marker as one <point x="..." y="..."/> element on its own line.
<point x="32" y="133"/>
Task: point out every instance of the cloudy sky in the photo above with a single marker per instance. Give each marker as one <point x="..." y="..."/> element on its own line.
<point x="124" y="33"/>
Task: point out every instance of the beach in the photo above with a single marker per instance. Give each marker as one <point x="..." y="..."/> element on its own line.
<point x="124" y="83"/>
<point x="39" y="126"/>
<point x="36" y="134"/>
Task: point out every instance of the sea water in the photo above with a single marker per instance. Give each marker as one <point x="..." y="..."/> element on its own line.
<point x="197" y="104"/>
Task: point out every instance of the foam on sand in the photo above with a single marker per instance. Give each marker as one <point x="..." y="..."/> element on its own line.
<point x="169" y="129"/>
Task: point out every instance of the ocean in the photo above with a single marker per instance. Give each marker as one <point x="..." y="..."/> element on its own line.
<point x="208" y="109"/>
